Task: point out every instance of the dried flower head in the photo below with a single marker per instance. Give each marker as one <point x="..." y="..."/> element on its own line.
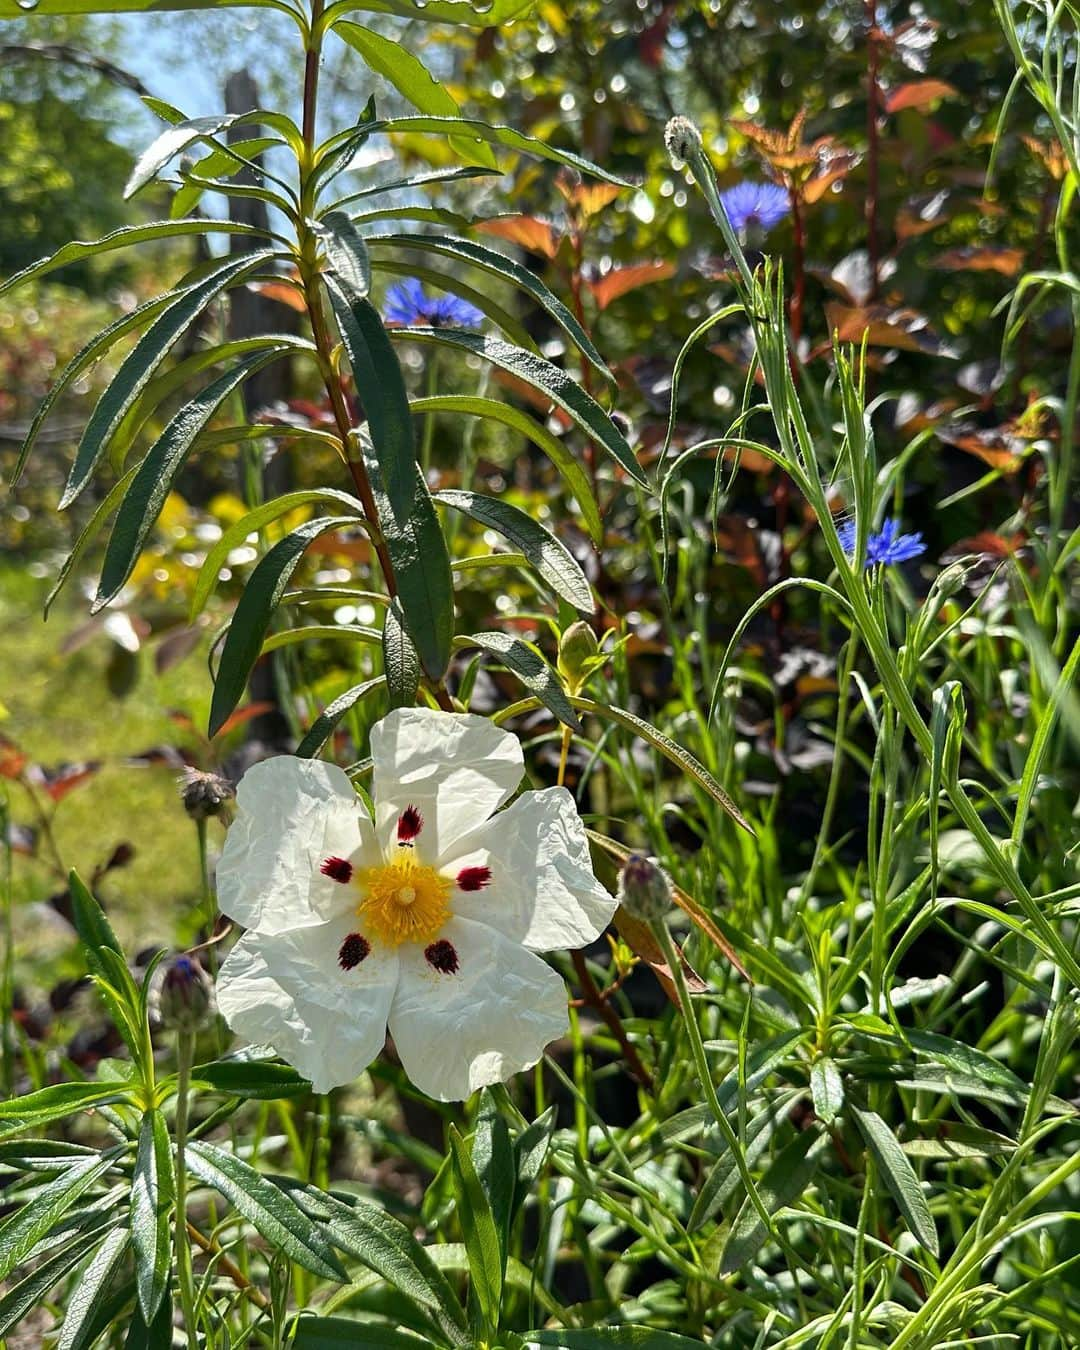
<point x="682" y="138"/>
<point x="204" y="794"/>
<point x="644" y="888"/>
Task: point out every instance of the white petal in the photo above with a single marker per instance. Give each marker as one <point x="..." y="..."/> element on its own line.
<point x="489" y="1020"/>
<point x="289" y="991"/>
<point x="542" y="893"/>
<point x="455" y="768"/>
<point x="293" y="814"/>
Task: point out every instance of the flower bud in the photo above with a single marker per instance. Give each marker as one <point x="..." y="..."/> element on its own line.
<point x="204" y="794"/>
<point x="576" y="646"/>
<point x="682" y="138"/>
<point x="185" y="999"/>
<point x="644" y="888"/>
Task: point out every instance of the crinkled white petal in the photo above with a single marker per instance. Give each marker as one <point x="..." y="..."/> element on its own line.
<point x="542" y="893"/>
<point x="289" y="991"/>
<point x="455" y="768"/>
<point x="491" y="1019"/>
<point x="292" y="815"/>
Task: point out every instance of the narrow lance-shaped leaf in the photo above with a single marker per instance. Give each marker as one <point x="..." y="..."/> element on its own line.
<point x="251" y="620"/>
<point x="551" y="558"/>
<point x="90" y="1292"/>
<point x="266" y="1207"/>
<point x="169" y="144"/>
<point x="29" y="1294"/>
<point x="422" y="570"/>
<point x="141" y="363"/>
<point x="79" y="249"/>
<point x="151" y="1207"/>
<point x="572" y="473"/>
<point x="899" y="1175"/>
<point x="322" y="728"/>
<point x="380" y="386"/>
<point x="498" y="264"/>
<point x="549" y="379"/>
<point x="153" y="482"/>
<point x="400" y="661"/>
<point x="789" y="1175"/>
<point x="346" y="253"/>
<point x="21" y="1232"/>
<point x="530" y="668"/>
<point x="480" y="1232"/>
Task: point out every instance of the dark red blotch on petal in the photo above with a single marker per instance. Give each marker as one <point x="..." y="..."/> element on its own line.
<point x="337" y="869"/>
<point x="353" y="950"/>
<point x="409" y="825"/>
<point x="443" y="956"/>
<point x="473" y="878"/>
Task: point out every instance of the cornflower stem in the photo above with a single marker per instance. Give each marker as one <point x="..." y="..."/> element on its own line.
<point x="428" y="439"/>
<point x="701" y="1063"/>
<point x="185" y="1278"/>
<point x="872" y="96"/>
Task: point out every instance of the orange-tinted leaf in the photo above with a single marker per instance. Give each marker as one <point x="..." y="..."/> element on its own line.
<point x="918" y="94"/>
<point x="920" y="214"/>
<point x="1000" y="447"/>
<point x="830" y="171"/>
<point x="985" y="258"/>
<point x="283" y="293"/>
<point x="12" y="759"/>
<point x="245" y="714"/>
<point x="639" y="938"/>
<point x="1052" y="156"/>
<point x="884" y="326"/>
<point x="535" y="235"/>
<point x="58" y="782"/>
<point x="622" y="279"/>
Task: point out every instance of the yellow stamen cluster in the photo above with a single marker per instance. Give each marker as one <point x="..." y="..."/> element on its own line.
<point x="403" y="900"/>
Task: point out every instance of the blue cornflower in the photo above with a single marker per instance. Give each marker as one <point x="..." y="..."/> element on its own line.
<point x="760" y="204"/>
<point x="407" y="303"/>
<point x="887" y="546"/>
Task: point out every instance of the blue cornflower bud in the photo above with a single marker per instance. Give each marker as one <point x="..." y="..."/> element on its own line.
<point x="185" y="998"/>
<point x="644" y="889"/>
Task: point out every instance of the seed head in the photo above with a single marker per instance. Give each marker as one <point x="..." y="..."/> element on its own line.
<point x="682" y="139"/>
<point x="644" y="888"/>
<point x="185" y="998"/>
<point x="204" y="794"/>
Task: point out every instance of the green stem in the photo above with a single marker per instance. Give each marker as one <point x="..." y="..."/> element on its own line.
<point x="432" y="388"/>
<point x="185" y="1278"/>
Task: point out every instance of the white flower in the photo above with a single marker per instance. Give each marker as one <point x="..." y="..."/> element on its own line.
<point x="424" y="920"/>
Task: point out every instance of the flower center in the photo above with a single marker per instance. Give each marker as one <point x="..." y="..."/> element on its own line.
<point x="403" y="901"/>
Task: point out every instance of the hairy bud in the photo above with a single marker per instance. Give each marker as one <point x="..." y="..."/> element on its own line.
<point x="644" y="889"/>
<point x="682" y="138"/>
<point x="204" y="794"/>
<point x="185" y="999"/>
<point x="576" y="646"/>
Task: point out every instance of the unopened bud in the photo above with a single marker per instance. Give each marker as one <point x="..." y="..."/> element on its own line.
<point x="576" y="646"/>
<point x="682" y="138"/>
<point x="185" y="998"/>
<point x="204" y="794"/>
<point x="644" y="888"/>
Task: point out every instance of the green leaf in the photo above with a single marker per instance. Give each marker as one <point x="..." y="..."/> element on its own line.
<point x="473" y="129"/>
<point x="572" y="473"/>
<point x="965" y="1059"/>
<point x="251" y="620"/>
<point x="551" y="558"/>
<point x="472" y="13"/>
<point x="827" y="1089"/>
<point x="380" y="387"/>
<point x="789" y="1175"/>
<point x="530" y="1149"/>
<point x="151" y="1208"/>
<point x="524" y="661"/>
<point x="143" y="360"/>
<point x="90" y="1291"/>
<point x="386" y="1246"/>
<point x="507" y="269"/>
<point x="899" y="1176"/>
<point x="27" y="1226"/>
<point x="322" y="728"/>
<point x="602" y="1338"/>
<point x="153" y="482"/>
<point x="169" y="144"/>
<point x="415" y="180"/>
<point x="254" y="521"/>
<point x="79" y="249"/>
<point x="266" y="1207"/>
<point x="400" y="661"/>
<point x="691" y="766"/>
<point x="346" y="254"/>
<point x="54" y="1103"/>
<point x="723" y="1180"/>
<point x="93" y="351"/>
<point x="158" y="1335"/>
<point x="493" y="1160"/>
<point x="486" y="1261"/>
<point x="425" y="587"/>
<point x="29" y="1295"/>
<point x="250" y="1078"/>
<point x="334" y="1333"/>
<point x="548" y="379"/>
<point x="92" y="926"/>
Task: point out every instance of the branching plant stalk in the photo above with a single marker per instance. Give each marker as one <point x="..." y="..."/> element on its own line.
<point x="185" y="1279"/>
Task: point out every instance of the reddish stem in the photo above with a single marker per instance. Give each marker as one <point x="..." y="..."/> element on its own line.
<point x="873" y="99"/>
<point x="798" y="267"/>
